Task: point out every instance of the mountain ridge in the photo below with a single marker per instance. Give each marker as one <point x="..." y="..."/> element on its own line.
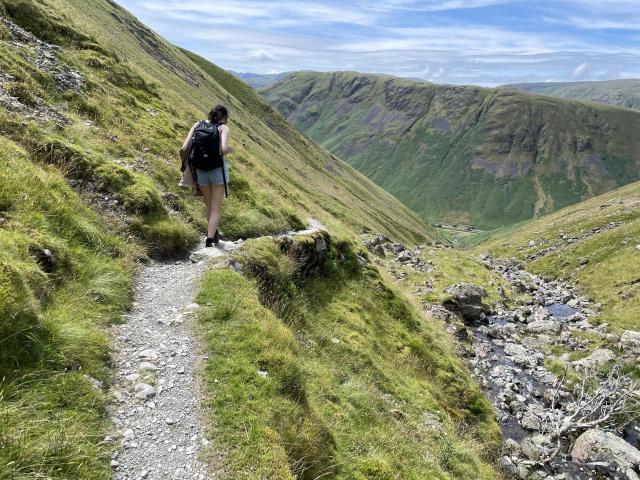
<point x="623" y="92"/>
<point x="465" y="154"/>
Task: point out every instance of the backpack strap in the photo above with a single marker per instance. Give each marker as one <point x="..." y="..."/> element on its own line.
<point x="224" y="178"/>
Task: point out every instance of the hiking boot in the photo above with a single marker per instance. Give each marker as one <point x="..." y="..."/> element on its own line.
<point x="216" y="237"/>
<point x="209" y="242"/>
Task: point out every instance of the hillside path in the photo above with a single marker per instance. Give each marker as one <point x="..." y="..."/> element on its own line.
<point x="156" y="355"/>
<point x="155" y="406"/>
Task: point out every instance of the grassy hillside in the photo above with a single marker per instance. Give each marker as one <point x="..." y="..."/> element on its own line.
<point x="88" y="140"/>
<point x="455" y="154"/>
<point x="625" y="93"/>
<point x="313" y="376"/>
<point x="594" y="244"/>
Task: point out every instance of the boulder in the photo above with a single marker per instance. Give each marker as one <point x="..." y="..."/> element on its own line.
<point x="405" y="256"/>
<point x="535" y="446"/>
<point x="397" y="248"/>
<point x="598" y="357"/>
<point x="376" y="241"/>
<point x="143" y="391"/>
<point x="205" y="254"/>
<point x="309" y="250"/>
<point x="466" y="300"/>
<point x="600" y="446"/>
<point x="532" y="417"/>
<point x="630" y="342"/>
<point x="519" y="354"/>
<point x="544" y="326"/>
<point x="502" y="331"/>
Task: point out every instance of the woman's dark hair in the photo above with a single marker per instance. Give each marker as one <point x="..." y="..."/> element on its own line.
<point x="217" y="113"/>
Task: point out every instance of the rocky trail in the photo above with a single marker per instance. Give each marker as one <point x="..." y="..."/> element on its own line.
<point x="552" y="429"/>
<point x="156" y="357"/>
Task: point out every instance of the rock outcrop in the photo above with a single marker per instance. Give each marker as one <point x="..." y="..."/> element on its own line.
<point x="466" y="300"/>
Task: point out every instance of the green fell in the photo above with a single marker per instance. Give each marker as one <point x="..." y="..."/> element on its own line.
<point x="625" y="93"/>
<point x="463" y="154"/>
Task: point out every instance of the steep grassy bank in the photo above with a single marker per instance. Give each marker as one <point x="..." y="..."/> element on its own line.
<point x="93" y="107"/>
<point x="63" y="278"/>
<point x="470" y="155"/>
<point x="318" y="368"/>
<point x="593" y="244"/>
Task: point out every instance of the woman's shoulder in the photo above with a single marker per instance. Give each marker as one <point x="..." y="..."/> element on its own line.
<point x="223" y="127"/>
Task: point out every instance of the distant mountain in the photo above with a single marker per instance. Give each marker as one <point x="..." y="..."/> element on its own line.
<point x="265" y="80"/>
<point x="259" y="80"/>
<point x="461" y="154"/>
<point x="625" y="93"/>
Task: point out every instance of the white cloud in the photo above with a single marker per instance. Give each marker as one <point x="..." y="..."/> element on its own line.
<point x="260" y="55"/>
<point x="580" y="70"/>
<point x="274" y="13"/>
<point x="594" y="23"/>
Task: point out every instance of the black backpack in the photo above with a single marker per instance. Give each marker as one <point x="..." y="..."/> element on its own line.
<point x="205" y="147"/>
<point x="205" y="151"/>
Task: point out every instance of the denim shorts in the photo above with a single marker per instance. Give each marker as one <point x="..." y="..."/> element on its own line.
<point x="212" y="177"/>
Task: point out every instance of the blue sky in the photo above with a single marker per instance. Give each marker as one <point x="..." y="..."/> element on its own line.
<point x="482" y="42"/>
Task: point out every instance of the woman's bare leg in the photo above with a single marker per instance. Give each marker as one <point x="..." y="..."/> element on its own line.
<point x="206" y="193"/>
<point x="214" y="198"/>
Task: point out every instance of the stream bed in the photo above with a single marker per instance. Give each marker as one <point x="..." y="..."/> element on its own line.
<point x="509" y="359"/>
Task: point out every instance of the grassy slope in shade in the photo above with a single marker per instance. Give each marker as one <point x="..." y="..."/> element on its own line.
<point x="487" y="157"/>
<point x="67" y="254"/>
<point x="317" y="378"/>
<point x="625" y="93"/>
<point x="612" y="274"/>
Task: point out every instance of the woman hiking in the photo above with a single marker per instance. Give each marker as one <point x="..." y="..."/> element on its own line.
<point x="204" y="166"/>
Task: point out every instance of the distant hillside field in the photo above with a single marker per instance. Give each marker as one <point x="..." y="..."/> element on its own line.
<point x="625" y="93"/>
<point x="463" y="154"/>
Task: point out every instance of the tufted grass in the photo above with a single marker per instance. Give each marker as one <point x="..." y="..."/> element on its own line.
<point x="52" y="319"/>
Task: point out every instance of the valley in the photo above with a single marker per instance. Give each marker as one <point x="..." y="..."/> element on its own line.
<point x="464" y="154"/>
<point x="531" y="338"/>
<point x="335" y="332"/>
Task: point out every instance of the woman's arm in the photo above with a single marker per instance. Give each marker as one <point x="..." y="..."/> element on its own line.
<point x="224" y="139"/>
<point x="184" y="150"/>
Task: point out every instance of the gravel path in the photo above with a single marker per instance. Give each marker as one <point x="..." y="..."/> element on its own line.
<point x="155" y="407"/>
<point x="155" y="359"/>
